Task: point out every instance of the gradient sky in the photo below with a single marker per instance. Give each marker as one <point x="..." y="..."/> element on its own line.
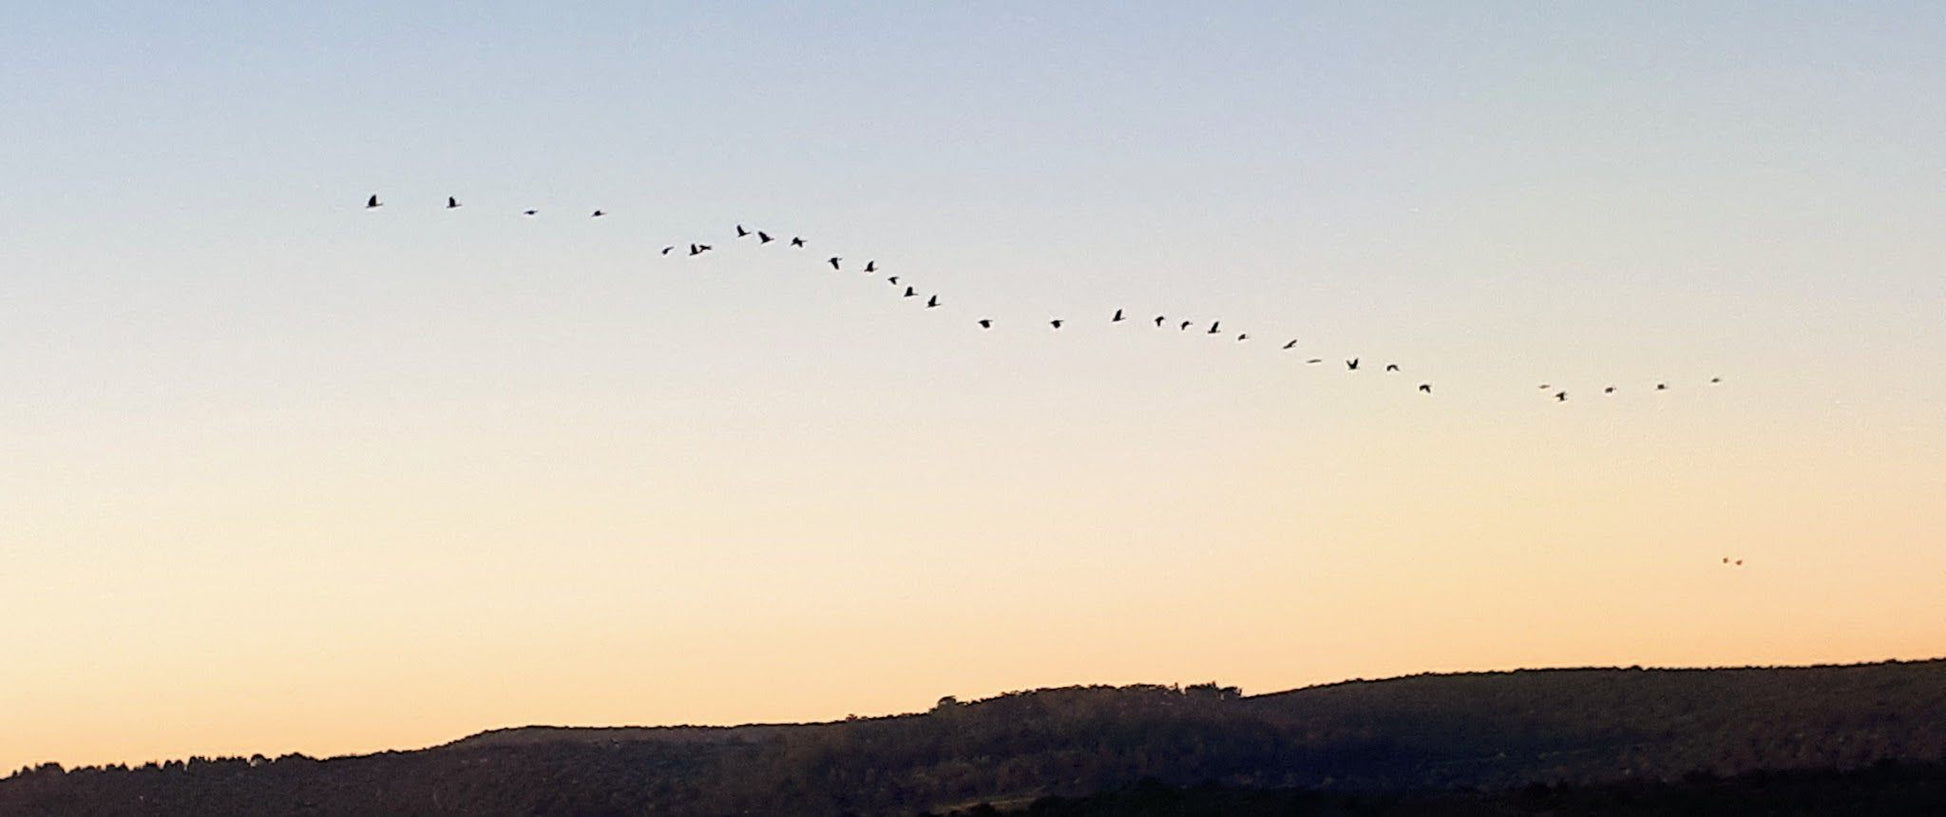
<point x="278" y="474"/>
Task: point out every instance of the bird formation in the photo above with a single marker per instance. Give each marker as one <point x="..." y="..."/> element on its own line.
<point x="836" y="262"/>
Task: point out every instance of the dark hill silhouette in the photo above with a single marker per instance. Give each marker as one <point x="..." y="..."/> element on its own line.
<point x="1493" y="731"/>
<point x="1883" y="790"/>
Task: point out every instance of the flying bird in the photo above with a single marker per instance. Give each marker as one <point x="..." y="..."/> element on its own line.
<point x="1608" y="390"/>
<point x="1426" y="387"/>
<point x="1241" y="337"/>
<point x="1056" y="323"/>
<point x="452" y="203"/>
<point x="1391" y="367"/>
<point x="1661" y="387"/>
<point x="530" y="213"/>
<point x="892" y="279"/>
<point x="932" y="302"/>
<point x="764" y="238"/>
<point x="909" y="293"/>
<point x="1314" y="361"/>
<point x="1213" y="325"/>
<point x="833" y="261"/>
<point x="1185" y="326"/>
<point x="597" y="214"/>
<point x="665" y="250"/>
<point x="1291" y="345"/>
<point x="1117" y="318"/>
<point x="1158" y="321"/>
<point x="986" y="323"/>
<point x="742" y="232"/>
<point x="871" y="267"/>
<point x="1352" y="364"/>
<point x="372" y="203"/>
<point x="1716" y="380"/>
<point x="1560" y="397"/>
<point x="797" y="242"/>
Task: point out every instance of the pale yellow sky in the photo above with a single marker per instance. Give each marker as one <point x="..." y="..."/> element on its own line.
<point x="277" y="474"/>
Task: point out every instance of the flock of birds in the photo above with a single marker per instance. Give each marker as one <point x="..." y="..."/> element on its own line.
<point x="762" y="237"/>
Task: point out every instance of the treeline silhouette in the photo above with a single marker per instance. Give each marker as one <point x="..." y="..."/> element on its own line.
<point x="1885" y="789"/>
<point x="1495" y="732"/>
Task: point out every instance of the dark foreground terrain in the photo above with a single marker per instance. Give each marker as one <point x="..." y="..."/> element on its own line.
<point x="1884" y="790"/>
<point x="1597" y="741"/>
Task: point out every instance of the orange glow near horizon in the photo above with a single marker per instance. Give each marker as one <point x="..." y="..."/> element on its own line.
<point x="281" y="473"/>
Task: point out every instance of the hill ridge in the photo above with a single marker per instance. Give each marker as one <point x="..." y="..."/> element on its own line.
<point x="1492" y="730"/>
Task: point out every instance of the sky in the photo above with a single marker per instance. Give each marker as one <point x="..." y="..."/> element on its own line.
<point x="279" y="474"/>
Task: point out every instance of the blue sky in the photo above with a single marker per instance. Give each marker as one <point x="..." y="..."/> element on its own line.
<point x="419" y="448"/>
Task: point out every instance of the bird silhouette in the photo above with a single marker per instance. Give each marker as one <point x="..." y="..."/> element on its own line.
<point x="933" y="301"/>
<point x="1608" y="390"/>
<point x="1661" y="387"/>
<point x="892" y="279"/>
<point x="1716" y="380"/>
<point x="1314" y="361"/>
<point x="1560" y="397"/>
